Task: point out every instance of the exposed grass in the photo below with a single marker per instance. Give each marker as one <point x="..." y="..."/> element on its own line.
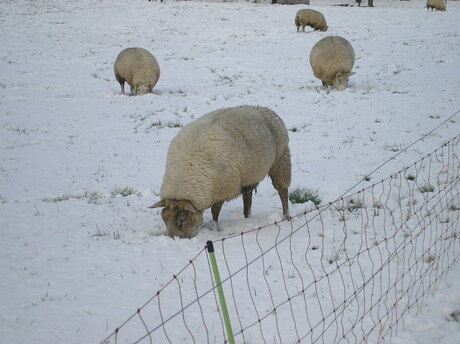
<point x="160" y="124"/>
<point x="393" y="148"/>
<point x="334" y="257"/>
<point x="426" y="188"/>
<point x="353" y="205"/>
<point x="304" y="195"/>
<point x="300" y="128"/>
<point x="430" y="258"/>
<point x="124" y="191"/>
<point x="410" y="177"/>
<point x="376" y="206"/>
<point x="100" y="234"/>
<point x="453" y="207"/>
<point x="455" y="316"/>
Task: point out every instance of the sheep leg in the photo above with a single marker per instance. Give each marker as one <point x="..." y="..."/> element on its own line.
<point x="280" y="174"/>
<point x="247" y="201"/>
<point x="215" y="211"/>
<point x="122" y="86"/>
<point x="247" y="198"/>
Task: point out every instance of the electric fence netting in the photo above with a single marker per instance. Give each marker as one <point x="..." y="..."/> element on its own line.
<point x="345" y="272"/>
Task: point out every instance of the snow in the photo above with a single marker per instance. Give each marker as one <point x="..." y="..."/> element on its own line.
<point x="80" y="163"/>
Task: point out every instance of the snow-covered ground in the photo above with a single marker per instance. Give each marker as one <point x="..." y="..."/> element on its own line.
<point x="80" y="163"/>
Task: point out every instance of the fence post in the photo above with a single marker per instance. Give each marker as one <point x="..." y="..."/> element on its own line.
<point x="220" y="291"/>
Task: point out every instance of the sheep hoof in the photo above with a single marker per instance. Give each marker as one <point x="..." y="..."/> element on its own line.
<point x="215" y="226"/>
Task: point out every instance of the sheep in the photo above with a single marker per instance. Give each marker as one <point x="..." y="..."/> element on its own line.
<point x="312" y="18"/>
<point x="216" y="158"/>
<point x="332" y="59"/>
<point x="139" y="68"/>
<point x="438" y="5"/>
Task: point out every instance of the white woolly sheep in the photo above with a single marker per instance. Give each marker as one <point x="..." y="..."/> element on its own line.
<point x="438" y="5"/>
<point x="139" y="68"/>
<point x="332" y="59"/>
<point x="216" y="158"/>
<point x="312" y="18"/>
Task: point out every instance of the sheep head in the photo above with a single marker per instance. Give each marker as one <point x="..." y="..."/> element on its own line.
<point x="141" y="89"/>
<point x="181" y="217"/>
<point x="340" y="80"/>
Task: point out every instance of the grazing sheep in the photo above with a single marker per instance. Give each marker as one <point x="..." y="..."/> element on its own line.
<point x="312" y="18"/>
<point x="138" y="68"/>
<point x="216" y="158"/>
<point x="332" y="59"/>
<point x="438" y="5"/>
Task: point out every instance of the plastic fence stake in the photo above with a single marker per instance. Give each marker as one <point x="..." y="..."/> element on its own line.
<point x="220" y="291"/>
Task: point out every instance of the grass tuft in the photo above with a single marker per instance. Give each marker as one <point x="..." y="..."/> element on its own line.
<point x="426" y="188"/>
<point x="124" y="191"/>
<point x="304" y="195"/>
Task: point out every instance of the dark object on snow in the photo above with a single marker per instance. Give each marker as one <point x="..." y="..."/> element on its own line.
<point x="291" y="2"/>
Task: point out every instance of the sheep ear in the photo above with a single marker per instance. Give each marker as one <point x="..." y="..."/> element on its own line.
<point x="190" y="208"/>
<point x="158" y="204"/>
<point x="351" y="73"/>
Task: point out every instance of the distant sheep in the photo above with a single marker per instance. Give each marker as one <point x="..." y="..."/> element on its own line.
<point x="219" y="156"/>
<point x="332" y="59"/>
<point x="312" y="18"/>
<point x="138" y="68"/>
<point x="438" y="5"/>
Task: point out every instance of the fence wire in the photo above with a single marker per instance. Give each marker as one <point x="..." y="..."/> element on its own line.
<point x="345" y="272"/>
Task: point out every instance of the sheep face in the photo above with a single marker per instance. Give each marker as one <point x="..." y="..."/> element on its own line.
<point x="141" y="89"/>
<point x="340" y="80"/>
<point x="181" y="217"/>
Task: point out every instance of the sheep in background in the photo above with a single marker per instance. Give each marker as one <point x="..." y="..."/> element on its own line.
<point x="138" y="68"/>
<point x="439" y="5"/>
<point x="332" y="59"/>
<point x="216" y="158"/>
<point x="312" y="18"/>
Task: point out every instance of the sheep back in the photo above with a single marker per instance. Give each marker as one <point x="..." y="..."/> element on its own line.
<point x="438" y="5"/>
<point x="214" y="157"/>
<point x="312" y="18"/>
<point x="139" y="68"/>
<point x="331" y="55"/>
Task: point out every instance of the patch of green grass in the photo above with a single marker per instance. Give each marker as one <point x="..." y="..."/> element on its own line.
<point x="453" y="207"/>
<point x="160" y="125"/>
<point x="426" y="188"/>
<point x="304" y="195"/>
<point x="124" y="191"/>
<point x="354" y="205"/>
<point x="455" y="316"/>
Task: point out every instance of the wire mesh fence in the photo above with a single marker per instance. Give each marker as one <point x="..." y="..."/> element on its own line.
<point x="345" y="272"/>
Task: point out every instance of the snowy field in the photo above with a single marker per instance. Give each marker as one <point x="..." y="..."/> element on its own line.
<point x="80" y="163"/>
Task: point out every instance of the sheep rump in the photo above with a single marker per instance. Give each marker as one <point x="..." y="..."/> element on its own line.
<point x="332" y="59"/>
<point x="220" y="156"/>
<point x="312" y="18"/>
<point x="438" y="5"/>
<point x="139" y="68"/>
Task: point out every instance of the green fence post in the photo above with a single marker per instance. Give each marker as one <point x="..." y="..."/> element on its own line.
<point x="220" y="291"/>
